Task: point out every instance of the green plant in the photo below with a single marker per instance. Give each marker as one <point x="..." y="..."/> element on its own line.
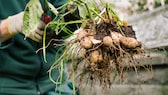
<point x="91" y="18"/>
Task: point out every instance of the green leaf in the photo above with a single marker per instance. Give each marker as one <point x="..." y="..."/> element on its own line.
<point x="85" y="7"/>
<point x="52" y="8"/>
<point x="32" y="15"/>
<point x="82" y="10"/>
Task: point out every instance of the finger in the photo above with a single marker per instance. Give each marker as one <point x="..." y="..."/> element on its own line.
<point x="36" y="40"/>
<point x="32" y="36"/>
<point x="41" y="25"/>
<point x="39" y="32"/>
<point x="38" y="37"/>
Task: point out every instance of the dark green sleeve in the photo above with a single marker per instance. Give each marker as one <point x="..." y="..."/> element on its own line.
<point x="11" y="7"/>
<point x="5" y="44"/>
<point x="58" y="3"/>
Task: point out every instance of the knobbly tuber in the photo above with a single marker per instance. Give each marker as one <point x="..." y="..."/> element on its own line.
<point x="129" y="42"/>
<point x="107" y="41"/>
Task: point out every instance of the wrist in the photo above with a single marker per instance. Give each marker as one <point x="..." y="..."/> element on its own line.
<point x="3" y="27"/>
<point x="4" y="33"/>
<point x="12" y="31"/>
<point x="15" y="23"/>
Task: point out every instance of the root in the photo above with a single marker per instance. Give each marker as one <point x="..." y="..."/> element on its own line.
<point x="49" y="43"/>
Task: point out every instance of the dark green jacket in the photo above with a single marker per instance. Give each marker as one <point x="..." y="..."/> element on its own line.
<point x="22" y="70"/>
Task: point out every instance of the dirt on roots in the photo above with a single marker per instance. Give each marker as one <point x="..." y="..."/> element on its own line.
<point x="116" y="59"/>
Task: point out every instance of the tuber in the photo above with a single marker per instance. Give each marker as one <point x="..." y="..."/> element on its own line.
<point x="116" y="37"/>
<point x="82" y="34"/>
<point x="86" y="42"/>
<point x="107" y="41"/>
<point x="129" y="42"/>
<point x="96" y="56"/>
<point x="82" y="53"/>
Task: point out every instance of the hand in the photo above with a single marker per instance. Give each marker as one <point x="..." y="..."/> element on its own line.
<point x="15" y="25"/>
<point x="37" y="34"/>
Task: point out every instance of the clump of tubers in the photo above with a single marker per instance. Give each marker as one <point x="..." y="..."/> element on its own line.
<point x="104" y="48"/>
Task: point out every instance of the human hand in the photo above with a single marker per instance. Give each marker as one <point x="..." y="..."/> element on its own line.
<point x="37" y="34"/>
<point x="15" y="25"/>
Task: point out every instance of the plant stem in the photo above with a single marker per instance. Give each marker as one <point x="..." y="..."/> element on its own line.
<point x="89" y="12"/>
<point x="44" y="49"/>
<point x="61" y="75"/>
<point x="99" y="15"/>
<point x="70" y="22"/>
